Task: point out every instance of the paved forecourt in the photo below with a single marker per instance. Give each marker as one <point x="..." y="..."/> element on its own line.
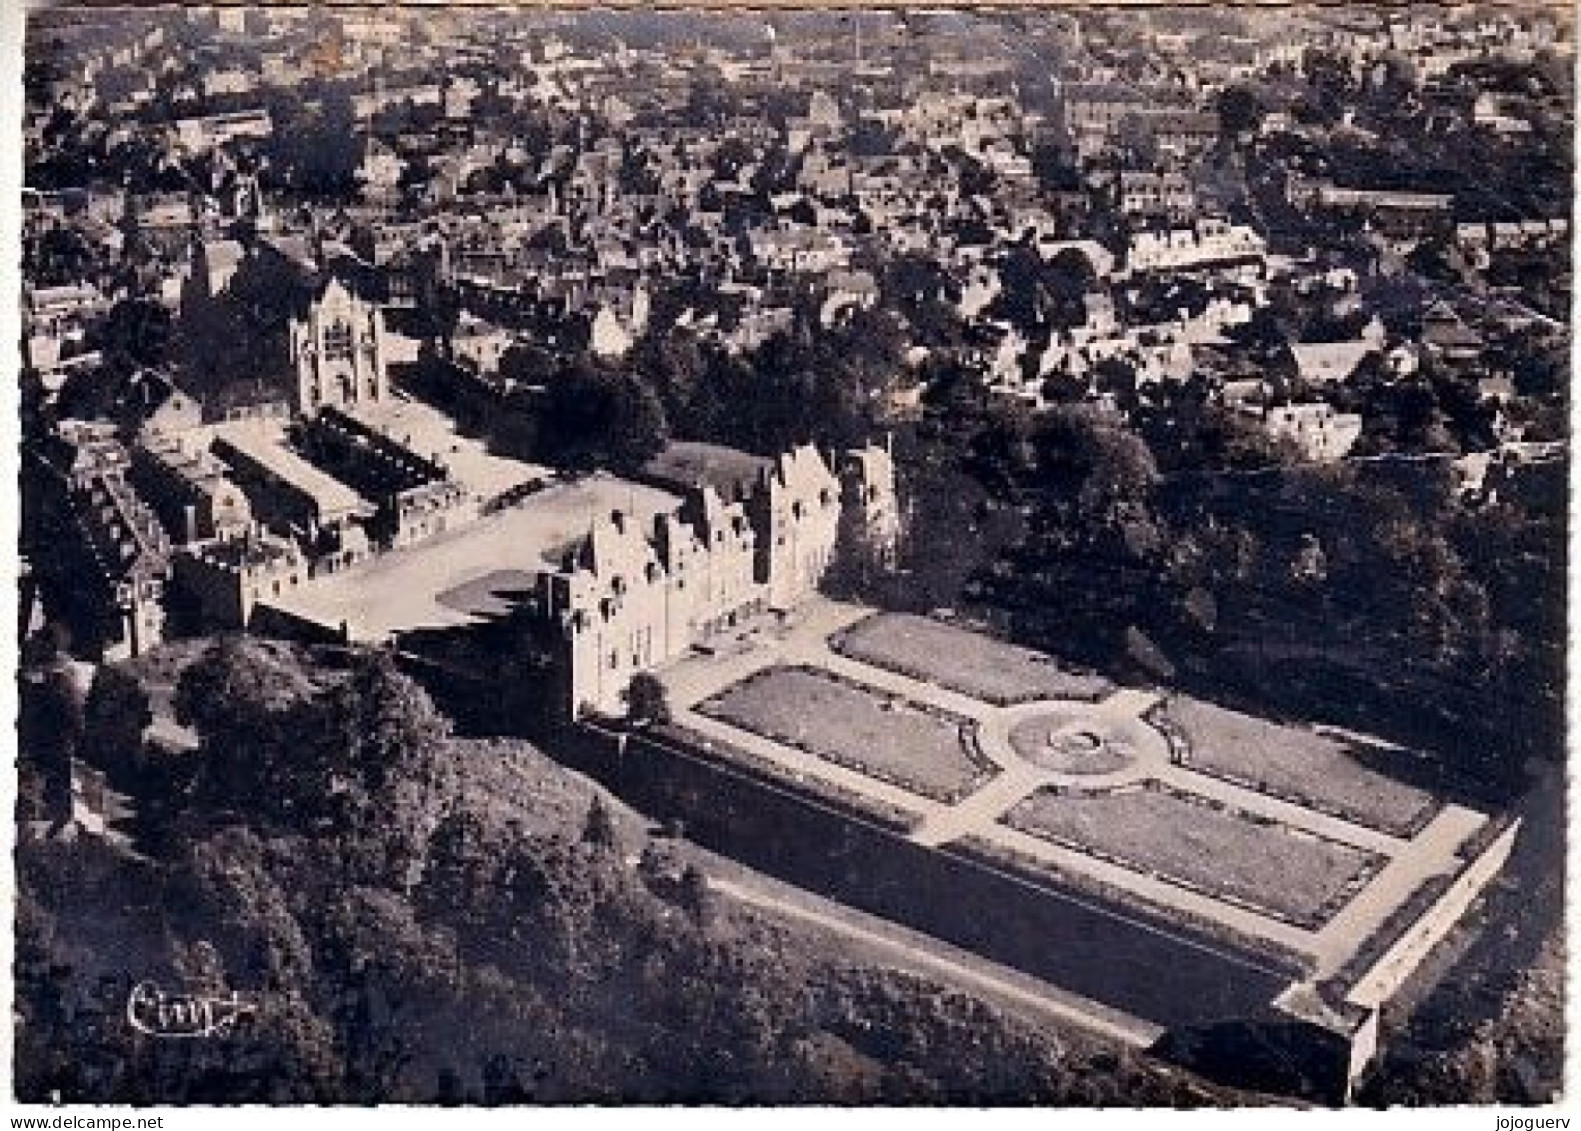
<point x="469" y="573"/>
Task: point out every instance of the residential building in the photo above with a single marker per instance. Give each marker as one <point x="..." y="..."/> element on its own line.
<point x="1322" y="434"/>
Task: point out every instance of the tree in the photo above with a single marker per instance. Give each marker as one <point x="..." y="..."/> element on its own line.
<point x="461" y="870"/>
<point x="647" y="699"/>
<point x="695" y="897"/>
<point x="638" y="430"/>
<point x="1091" y="469"/>
<point x="599" y="829"/>
<point x="247" y="703"/>
<point x="116" y="715"/>
<point x="136" y="332"/>
<point x="392" y="774"/>
<point x="49" y="733"/>
<point x="593" y="416"/>
<point x="1240" y="111"/>
<point x="672" y="365"/>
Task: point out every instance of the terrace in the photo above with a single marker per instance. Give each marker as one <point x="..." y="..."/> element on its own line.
<point x="1275" y="839"/>
<point x="1298" y="764"/>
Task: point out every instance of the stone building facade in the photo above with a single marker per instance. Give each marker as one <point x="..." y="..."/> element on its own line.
<point x="628" y="599"/>
<point x="188" y="489"/>
<point x="338" y="352"/>
<point x="415" y="497"/>
<point x="226" y="578"/>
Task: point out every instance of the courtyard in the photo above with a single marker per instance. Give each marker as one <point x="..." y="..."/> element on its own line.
<point x="434" y="435"/>
<point x="471" y="573"/>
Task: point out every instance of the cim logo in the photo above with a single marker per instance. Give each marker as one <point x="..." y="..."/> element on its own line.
<point x="152" y="1010"/>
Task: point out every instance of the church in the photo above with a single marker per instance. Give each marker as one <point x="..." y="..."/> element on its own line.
<point x="338" y="352"/>
<point x="272" y="327"/>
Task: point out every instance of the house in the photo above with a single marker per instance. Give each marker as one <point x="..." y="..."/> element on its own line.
<point x="478" y="345"/>
<point x="1209" y="244"/>
<point x="1322" y="434"/>
<point x="794" y="249"/>
<point x="199" y="135"/>
<point x="621" y="320"/>
<point x="1445" y="335"/>
<point x="1328" y="363"/>
<point x="1169" y="195"/>
<point x="380" y="172"/>
<point x="845" y="291"/>
<point x="56" y="322"/>
<point x="122" y="550"/>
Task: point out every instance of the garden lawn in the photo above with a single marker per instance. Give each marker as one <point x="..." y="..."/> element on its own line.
<point x="915" y="747"/>
<point x="1297" y="764"/>
<point x="963" y="661"/>
<point x="1221" y="852"/>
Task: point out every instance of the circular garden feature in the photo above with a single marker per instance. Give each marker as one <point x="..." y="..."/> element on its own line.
<point x="1070" y="744"/>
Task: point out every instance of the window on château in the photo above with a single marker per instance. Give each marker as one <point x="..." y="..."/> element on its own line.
<point x="338" y="342"/>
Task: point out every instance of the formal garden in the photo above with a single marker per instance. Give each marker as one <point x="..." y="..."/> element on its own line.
<point x="1295" y="763"/>
<point x="917" y="747"/>
<point x="1202" y="845"/>
<point x="963" y="661"/>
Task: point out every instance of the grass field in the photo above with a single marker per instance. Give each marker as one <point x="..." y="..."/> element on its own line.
<point x="1298" y="765"/>
<point x="1222" y="852"/>
<point x="918" y="748"/>
<point x="963" y="661"/>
